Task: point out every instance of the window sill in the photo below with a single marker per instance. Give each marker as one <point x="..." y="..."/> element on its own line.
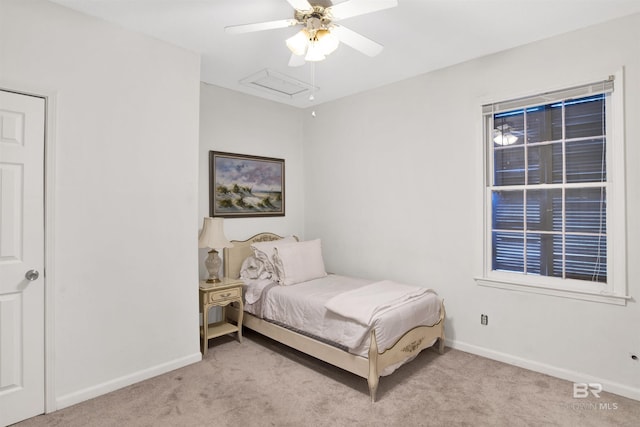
<point x="543" y="290"/>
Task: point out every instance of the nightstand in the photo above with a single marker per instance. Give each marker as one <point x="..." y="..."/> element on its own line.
<point x="220" y="294"/>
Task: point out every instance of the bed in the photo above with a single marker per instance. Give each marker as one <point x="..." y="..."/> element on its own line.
<point x="375" y="356"/>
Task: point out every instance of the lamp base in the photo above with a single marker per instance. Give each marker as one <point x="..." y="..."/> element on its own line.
<point x="213" y="263"/>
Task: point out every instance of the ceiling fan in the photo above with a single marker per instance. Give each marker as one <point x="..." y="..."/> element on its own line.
<point x="320" y="34"/>
<point x="504" y="134"/>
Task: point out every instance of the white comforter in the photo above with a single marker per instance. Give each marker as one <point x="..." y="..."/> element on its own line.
<point x="365" y="302"/>
<point x="302" y="306"/>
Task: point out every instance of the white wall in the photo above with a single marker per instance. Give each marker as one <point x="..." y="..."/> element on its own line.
<point x="125" y="195"/>
<point x="237" y="123"/>
<point x="393" y="181"/>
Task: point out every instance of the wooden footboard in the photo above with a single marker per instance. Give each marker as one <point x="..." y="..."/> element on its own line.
<point x="408" y="346"/>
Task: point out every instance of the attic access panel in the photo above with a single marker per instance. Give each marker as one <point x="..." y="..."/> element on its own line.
<point x="276" y="83"/>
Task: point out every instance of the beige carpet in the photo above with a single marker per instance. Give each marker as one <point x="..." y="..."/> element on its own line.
<point x="261" y="383"/>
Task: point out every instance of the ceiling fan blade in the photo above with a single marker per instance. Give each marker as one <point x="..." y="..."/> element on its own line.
<point x="260" y="26"/>
<point x="296" y="60"/>
<point x="300" y="4"/>
<point x="351" y="8"/>
<point x="356" y="41"/>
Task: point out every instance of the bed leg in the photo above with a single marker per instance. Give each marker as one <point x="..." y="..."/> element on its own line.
<point x="373" y="378"/>
<point x="373" y="388"/>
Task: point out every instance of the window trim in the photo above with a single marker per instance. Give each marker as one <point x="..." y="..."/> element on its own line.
<point x="614" y="291"/>
<point x="536" y="288"/>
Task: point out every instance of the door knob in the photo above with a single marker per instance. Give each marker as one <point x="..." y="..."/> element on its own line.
<point x="32" y="275"/>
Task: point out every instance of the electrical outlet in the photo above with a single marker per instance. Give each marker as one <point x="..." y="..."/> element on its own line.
<point x="484" y="319"/>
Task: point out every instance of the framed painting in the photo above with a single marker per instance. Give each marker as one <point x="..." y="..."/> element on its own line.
<point x="245" y="186"/>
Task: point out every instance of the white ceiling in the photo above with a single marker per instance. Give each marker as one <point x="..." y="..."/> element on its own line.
<point x="418" y="35"/>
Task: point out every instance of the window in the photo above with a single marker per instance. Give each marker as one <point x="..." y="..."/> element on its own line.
<point x="550" y="194"/>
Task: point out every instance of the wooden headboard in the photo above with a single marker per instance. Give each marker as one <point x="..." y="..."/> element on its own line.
<point x="235" y="256"/>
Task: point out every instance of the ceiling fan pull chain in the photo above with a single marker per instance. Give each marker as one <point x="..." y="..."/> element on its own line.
<point x="313" y="87"/>
<point x="312" y="96"/>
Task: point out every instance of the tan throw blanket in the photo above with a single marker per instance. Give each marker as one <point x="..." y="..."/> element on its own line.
<point x="362" y="304"/>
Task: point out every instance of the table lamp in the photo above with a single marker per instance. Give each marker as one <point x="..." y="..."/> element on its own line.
<point x="212" y="237"/>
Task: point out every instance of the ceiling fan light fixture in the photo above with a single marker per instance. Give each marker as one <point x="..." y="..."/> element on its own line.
<point x="314" y="45"/>
<point x="298" y="43"/>
<point x="314" y="53"/>
<point x="502" y="136"/>
<point x="326" y="41"/>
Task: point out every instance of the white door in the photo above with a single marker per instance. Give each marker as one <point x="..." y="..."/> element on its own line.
<point x="22" y="119"/>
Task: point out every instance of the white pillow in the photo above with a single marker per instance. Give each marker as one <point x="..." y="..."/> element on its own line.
<point x="264" y="252"/>
<point x="299" y="262"/>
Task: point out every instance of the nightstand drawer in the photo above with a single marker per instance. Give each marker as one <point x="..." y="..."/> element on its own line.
<point x="225" y="294"/>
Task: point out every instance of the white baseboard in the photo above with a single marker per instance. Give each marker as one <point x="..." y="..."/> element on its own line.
<point x="118" y="383"/>
<point x="565" y="374"/>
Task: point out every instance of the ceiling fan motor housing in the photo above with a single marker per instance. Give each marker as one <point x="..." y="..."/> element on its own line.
<point x="315" y="19"/>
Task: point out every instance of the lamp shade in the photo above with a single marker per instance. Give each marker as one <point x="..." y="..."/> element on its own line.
<point x="212" y="234"/>
<point x="297" y="44"/>
<point x="314" y="53"/>
<point x="327" y="41"/>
